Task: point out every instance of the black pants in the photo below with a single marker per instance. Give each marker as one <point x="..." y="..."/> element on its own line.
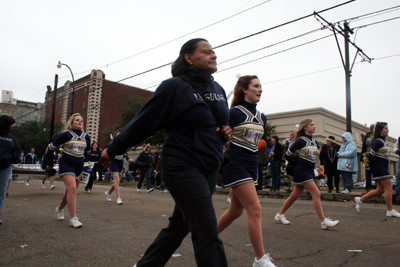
<point x="259" y="186"/>
<point x="194" y="212"/>
<point x="331" y="172"/>
<point x="100" y="171"/>
<point x="92" y="177"/>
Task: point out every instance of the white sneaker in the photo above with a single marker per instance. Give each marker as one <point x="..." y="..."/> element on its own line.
<point x="358" y="204"/>
<point x="138" y="189"/>
<point x="328" y="223"/>
<point x="27" y="184"/>
<point x="265" y="261"/>
<point x="281" y="218"/>
<point x="150" y="190"/>
<point x="43" y="186"/>
<point x="119" y="201"/>
<point x="393" y="213"/>
<point x="89" y="191"/>
<point x="346" y="191"/>
<point x="108" y="196"/>
<point x="164" y="191"/>
<point x="60" y="214"/>
<point x="52" y="187"/>
<point x="74" y="222"/>
<point x="228" y="200"/>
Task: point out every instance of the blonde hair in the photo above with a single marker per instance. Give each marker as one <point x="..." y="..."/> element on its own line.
<point x="303" y="124"/>
<point x="146" y="147"/>
<point x="68" y="125"/>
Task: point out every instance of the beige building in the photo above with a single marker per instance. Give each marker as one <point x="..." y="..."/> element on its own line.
<point x="328" y="123"/>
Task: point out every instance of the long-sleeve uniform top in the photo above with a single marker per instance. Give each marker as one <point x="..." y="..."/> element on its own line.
<point x="307" y="149"/>
<point x="247" y="125"/>
<point x="178" y="109"/>
<point x="76" y="145"/>
<point x="379" y="159"/>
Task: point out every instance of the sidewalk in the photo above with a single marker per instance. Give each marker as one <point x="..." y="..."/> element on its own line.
<point x="325" y="196"/>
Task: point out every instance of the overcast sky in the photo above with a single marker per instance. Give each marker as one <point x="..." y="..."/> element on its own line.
<point x="124" y="38"/>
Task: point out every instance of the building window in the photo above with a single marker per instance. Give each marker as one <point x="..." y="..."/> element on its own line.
<point x="59" y="112"/>
<point x="83" y="104"/>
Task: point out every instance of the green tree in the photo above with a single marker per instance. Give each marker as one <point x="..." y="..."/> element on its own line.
<point x="268" y="131"/>
<point x="133" y="105"/>
<point x="35" y="134"/>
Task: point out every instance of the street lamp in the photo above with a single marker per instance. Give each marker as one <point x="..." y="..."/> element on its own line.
<point x="73" y="85"/>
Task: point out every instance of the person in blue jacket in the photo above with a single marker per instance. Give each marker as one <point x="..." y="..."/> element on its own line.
<point x="192" y="109"/>
<point x="76" y="144"/>
<point x="9" y="152"/>
<point x="347" y="163"/>
<point x="30" y="158"/>
<point x="379" y="162"/>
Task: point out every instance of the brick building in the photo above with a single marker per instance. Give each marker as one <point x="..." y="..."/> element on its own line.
<point x="98" y="100"/>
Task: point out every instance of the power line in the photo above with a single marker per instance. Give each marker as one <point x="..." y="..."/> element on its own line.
<point x="187" y="34"/>
<point x="324" y="70"/>
<point x="281" y="25"/>
<point x="375" y="13"/>
<point x="269" y="46"/>
<point x="279" y="52"/>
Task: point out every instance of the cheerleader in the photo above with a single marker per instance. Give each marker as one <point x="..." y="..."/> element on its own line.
<point x="379" y="162"/>
<point x="117" y="166"/>
<point x="49" y="174"/>
<point x="241" y="173"/>
<point x="303" y="173"/>
<point x="76" y="144"/>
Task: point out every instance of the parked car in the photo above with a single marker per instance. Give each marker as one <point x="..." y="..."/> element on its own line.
<point x="362" y="184"/>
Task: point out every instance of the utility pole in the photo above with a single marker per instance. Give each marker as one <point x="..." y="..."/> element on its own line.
<point x="348" y="75"/>
<point x="53" y="108"/>
<point x="346" y="63"/>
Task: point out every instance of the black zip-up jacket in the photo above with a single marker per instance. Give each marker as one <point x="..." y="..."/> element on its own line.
<point x="9" y="150"/>
<point x="178" y="109"/>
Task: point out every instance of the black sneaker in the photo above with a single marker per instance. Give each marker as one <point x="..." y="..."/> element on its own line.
<point x="329" y="191"/>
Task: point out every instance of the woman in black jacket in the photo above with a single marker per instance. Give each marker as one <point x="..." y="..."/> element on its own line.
<point x="328" y="158"/>
<point x="146" y="169"/>
<point x="276" y="163"/>
<point x="192" y="109"/>
<point x="9" y="152"/>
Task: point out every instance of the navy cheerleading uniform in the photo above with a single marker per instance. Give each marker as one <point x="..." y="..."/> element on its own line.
<point x="379" y="159"/>
<point x="117" y="164"/>
<point x="247" y="125"/>
<point x="76" y="145"/>
<point x="307" y="150"/>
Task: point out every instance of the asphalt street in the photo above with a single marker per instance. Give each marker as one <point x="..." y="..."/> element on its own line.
<point x="117" y="235"/>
